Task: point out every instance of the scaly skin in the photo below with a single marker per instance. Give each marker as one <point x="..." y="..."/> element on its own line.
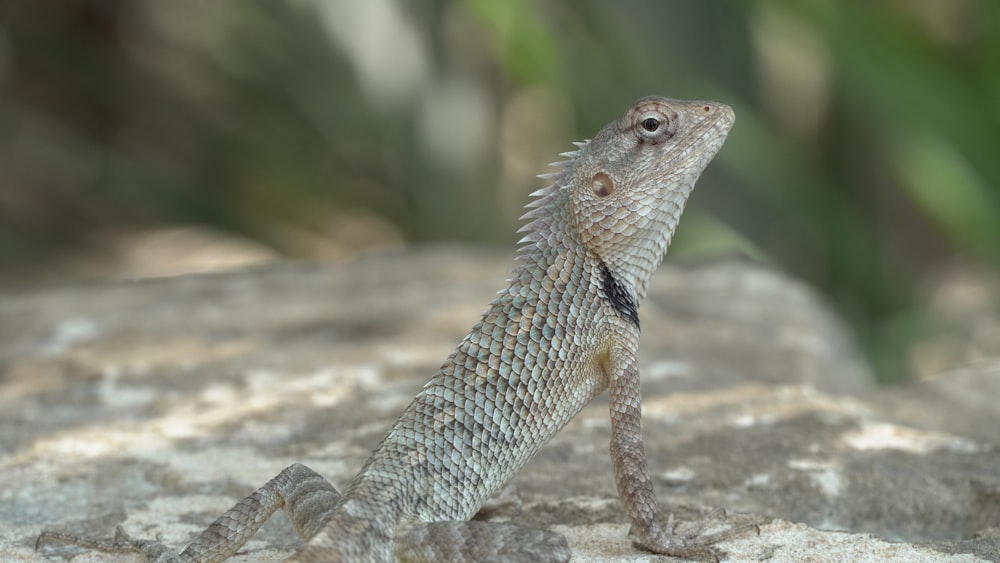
<point x="564" y="330"/>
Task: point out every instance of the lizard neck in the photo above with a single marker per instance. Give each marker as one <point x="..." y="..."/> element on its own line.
<point x="552" y="234"/>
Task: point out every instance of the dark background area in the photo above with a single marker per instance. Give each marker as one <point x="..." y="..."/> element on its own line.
<point x="148" y="138"/>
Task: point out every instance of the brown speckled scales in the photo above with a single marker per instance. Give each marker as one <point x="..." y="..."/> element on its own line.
<point x="564" y="330"/>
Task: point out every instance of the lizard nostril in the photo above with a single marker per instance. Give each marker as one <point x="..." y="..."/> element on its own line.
<point x="602" y="185"/>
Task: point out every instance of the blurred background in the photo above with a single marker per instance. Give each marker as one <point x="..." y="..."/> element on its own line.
<point x="147" y="138"/>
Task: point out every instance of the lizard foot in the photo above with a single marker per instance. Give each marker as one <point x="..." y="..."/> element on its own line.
<point x="694" y="542"/>
<point x="122" y="542"/>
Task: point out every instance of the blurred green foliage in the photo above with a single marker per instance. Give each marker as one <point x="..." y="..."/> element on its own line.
<point x="865" y="158"/>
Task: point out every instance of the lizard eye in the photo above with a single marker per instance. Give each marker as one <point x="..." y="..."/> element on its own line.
<point x="654" y="127"/>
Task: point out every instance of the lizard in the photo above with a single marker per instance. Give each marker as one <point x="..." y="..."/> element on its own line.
<point x="564" y="330"/>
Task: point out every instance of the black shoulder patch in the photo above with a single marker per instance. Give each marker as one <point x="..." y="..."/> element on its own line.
<point x="619" y="295"/>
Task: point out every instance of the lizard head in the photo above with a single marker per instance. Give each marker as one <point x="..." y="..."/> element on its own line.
<point x="628" y="185"/>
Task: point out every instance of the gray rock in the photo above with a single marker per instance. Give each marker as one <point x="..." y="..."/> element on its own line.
<point x="158" y="404"/>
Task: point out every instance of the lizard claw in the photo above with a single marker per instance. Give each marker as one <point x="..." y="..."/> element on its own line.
<point x="121" y="542"/>
<point x="693" y="541"/>
<point x="696" y="528"/>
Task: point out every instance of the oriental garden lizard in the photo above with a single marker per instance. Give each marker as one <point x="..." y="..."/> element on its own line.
<point x="564" y="330"/>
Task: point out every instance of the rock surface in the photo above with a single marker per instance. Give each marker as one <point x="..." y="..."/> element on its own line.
<point x="158" y="404"/>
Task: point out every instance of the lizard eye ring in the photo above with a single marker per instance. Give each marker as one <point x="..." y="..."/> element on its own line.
<point x="653" y="126"/>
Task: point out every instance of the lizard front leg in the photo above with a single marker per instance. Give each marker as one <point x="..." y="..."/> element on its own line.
<point x="635" y="488"/>
<point x="307" y="498"/>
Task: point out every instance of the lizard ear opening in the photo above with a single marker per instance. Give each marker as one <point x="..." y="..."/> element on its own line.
<point x="602" y="184"/>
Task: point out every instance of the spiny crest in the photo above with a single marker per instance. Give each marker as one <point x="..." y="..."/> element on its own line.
<point x="537" y="219"/>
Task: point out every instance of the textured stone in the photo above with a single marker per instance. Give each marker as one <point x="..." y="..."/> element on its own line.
<point x="158" y="404"/>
